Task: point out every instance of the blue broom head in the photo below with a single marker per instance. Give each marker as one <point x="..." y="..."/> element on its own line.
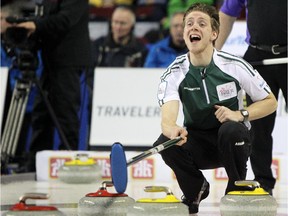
<point x="118" y="167"/>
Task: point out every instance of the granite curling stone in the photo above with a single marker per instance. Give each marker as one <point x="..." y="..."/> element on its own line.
<point x="81" y="170"/>
<point x="169" y="205"/>
<point x="104" y="203"/>
<point x="254" y="202"/>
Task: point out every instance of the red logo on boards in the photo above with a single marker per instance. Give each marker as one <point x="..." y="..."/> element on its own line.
<point x="104" y="163"/>
<point x="143" y="169"/>
<point x="55" y="163"/>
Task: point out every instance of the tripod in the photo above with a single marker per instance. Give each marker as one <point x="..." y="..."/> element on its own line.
<point x="16" y="114"/>
<point x="14" y="119"/>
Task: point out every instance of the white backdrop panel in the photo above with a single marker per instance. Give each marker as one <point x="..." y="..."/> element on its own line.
<point x="125" y="107"/>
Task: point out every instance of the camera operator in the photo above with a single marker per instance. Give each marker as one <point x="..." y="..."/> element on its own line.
<point x="65" y="44"/>
<point x="9" y="55"/>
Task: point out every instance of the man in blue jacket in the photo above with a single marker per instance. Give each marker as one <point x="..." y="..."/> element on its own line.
<point x="164" y="52"/>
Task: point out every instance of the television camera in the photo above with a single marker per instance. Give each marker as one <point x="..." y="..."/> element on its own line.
<point x="21" y="47"/>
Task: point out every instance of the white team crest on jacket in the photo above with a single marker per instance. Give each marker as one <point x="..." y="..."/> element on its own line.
<point x="226" y="91"/>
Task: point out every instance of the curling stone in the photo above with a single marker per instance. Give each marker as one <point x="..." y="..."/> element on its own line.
<point x="80" y="170"/>
<point x="103" y="203"/>
<point x="254" y="202"/>
<point x="168" y="205"/>
<point x="22" y="209"/>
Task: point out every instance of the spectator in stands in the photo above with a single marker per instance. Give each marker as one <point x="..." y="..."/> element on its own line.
<point x="10" y="53"/>
<point x="120" y="48"/>
<point x="164" y="52"/>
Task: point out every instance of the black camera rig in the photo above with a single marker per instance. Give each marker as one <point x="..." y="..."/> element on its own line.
<point x="21" y="47"/>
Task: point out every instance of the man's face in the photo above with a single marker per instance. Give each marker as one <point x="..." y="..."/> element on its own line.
<point x="176" y="29"/>
<point x="121" y="24"/>
<point x="4" y="24"/>
<point x="198" y="33"/>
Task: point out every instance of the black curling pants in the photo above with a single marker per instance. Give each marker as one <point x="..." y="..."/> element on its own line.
<point x="262" y="147"/>
<point x="227" y="146"/>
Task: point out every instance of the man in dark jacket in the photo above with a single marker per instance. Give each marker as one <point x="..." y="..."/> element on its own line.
<point x="119" y="48"/>
<point x="63" y="31"/>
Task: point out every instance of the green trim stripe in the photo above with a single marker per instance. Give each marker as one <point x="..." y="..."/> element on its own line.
<point x="165" y="74"/>
<point x="179" y="60"/>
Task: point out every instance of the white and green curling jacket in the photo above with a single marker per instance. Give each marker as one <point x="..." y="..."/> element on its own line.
<point x="222" y="82"/>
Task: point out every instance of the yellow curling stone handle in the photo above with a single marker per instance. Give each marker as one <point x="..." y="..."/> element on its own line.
<point x="170" y="198"/>
<point x="255" y="188"/>
<point x="80" y="160"/>
<point x="167" y="199"/>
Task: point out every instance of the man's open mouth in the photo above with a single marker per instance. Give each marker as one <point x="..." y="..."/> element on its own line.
<point x="194" y="38"/>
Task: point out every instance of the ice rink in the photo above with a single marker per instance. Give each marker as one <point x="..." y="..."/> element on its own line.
<point x="66" y="196"/>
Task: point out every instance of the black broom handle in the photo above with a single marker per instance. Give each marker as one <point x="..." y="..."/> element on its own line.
<point x="153" y="150"/>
